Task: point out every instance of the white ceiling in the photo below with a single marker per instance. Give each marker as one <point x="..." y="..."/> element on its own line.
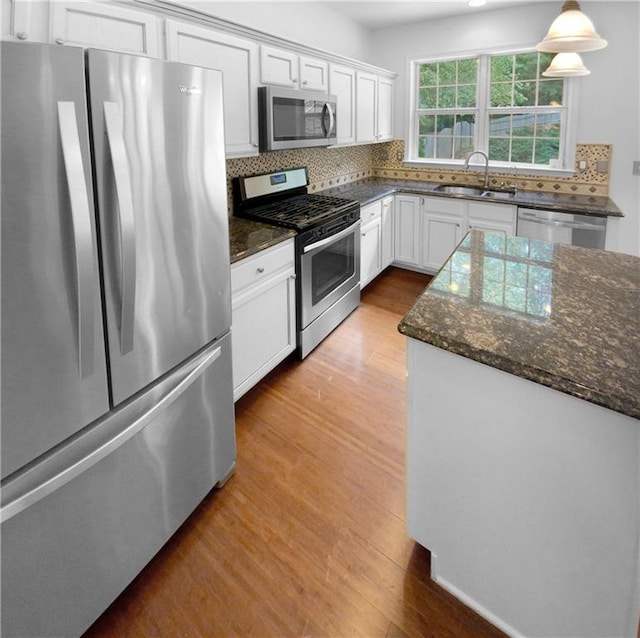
<point x="378" y="14"/>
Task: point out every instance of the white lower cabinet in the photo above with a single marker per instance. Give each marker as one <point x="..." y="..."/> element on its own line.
<point x="370" y="242"/>
<point x="263" y="326"/>
<point x="497" y="218"/>
<point x="443" y="222"/>
<point x="407" y="230"/>
<point x="388" y="232"/>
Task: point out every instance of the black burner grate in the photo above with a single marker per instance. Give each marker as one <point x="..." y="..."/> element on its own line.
<point x="301" y="211"/>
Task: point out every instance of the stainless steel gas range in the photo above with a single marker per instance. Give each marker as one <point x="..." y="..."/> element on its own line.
<point x="327" y="246"/>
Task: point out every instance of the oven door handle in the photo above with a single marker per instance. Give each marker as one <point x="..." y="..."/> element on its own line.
<point x="329" y="240"/>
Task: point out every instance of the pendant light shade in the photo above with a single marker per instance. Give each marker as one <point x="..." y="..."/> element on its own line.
<point x="572" y="31"/>
<point x="566" y="65"/>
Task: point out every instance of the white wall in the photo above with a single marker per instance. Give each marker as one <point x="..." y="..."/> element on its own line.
<point x="310" y="23"/>
<point x="609" y="98"/>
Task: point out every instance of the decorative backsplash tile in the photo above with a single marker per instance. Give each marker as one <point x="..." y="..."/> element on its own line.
<point x="333" y="166"/>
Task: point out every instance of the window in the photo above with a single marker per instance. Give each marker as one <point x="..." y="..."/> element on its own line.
<point x="500" y="104"/>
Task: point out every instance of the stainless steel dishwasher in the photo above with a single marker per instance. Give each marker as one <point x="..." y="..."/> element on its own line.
<point x="562" y="228"/>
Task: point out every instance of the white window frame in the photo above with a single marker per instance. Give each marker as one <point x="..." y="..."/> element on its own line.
<point x="567" y="150"/>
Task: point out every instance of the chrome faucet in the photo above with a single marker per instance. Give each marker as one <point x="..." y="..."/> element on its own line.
<point x="485" y="184"/>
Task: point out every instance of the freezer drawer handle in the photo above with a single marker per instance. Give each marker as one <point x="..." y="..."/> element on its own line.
<point x="82" y="237"/>
<point x="126" y="223"/>
<point x="36" y="490"/>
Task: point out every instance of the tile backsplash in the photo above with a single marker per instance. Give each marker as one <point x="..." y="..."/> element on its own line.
<point x="332" y="166"/>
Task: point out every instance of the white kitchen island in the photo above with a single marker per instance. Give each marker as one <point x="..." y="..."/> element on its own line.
<point x="523" y="435"/>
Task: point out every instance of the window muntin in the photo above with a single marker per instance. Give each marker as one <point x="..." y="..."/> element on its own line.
<point x="501" y="104"/>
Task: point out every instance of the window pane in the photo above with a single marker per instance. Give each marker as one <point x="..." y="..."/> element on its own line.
<point x="501" y="68"/>
<point x="467" y="71"/>
<point x="426" y="146"/>
<point x="427" y="98"/>
<point x="522" y="150"/>
<point x="447" y="73"/>
<point x="524" y="124"/>
<point x="447" y="97"/>
<point x="499" y="149"/>
<point x="466" y="96"/>
<point x="500" y="125"/>
<point x="550" y="92"/>
<point x="426" y="124"/>
<point x="546" y="149"/>
<point x="445" y="124"/>
<point x="526" y="66"/>
<point x="548" y="125"/>
<point x="428" y="74"/>
<point x="501" y="94"/>
<point x="524" y="94"/>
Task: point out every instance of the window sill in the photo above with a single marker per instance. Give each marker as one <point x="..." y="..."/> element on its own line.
<point x="493" y="167"/>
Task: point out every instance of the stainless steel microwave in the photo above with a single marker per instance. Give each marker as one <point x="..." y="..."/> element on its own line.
<point x="290" y="118"/>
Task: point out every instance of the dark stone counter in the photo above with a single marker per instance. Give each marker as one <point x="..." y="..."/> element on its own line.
<point x="248" y="237"/>
<point x="562" y="316"/>
<point x="368" y="190"/>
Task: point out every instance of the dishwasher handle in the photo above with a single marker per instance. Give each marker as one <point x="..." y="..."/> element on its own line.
<point x="546" y="221"/>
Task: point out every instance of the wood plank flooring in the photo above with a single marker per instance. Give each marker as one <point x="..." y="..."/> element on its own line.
<point x="308" y="538"/>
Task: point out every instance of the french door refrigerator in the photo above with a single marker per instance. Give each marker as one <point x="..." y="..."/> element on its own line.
<point x="117" y="398"/>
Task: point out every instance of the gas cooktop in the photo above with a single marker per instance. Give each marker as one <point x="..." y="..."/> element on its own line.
<point x="282" y="199"/>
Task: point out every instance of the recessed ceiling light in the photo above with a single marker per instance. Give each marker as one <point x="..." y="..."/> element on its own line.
<point x="477" y="3"/>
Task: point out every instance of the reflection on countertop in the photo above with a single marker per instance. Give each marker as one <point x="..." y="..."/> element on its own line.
<point x="563" y="316"/>
<point x="248" y="237"/>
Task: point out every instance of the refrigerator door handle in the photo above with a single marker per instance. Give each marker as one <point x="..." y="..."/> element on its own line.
<point x="82" y="237"/>
<point x="126" y="223"/>
<point x="34" y="488"/>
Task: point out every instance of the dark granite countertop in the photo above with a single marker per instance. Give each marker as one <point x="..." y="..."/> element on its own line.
<point x="247" y="237"/>
<point x="368" y="190"/>
<point x="563" y="316"/>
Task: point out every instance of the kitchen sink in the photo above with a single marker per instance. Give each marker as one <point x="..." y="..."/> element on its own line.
<point x="473" y="191"/>
<point x="452" y="189"/>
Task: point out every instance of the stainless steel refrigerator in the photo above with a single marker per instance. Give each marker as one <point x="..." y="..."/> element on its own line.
<point x="117" y="398"/>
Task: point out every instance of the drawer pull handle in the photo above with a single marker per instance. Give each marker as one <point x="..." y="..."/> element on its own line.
<point x="260" y="269"/>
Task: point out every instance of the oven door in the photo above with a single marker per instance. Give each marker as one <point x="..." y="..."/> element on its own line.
<point x="329" y="268"/>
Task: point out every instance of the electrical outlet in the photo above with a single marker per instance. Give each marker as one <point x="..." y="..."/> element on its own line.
<point x="636" y="168"/>
<point x="582" y="165"/>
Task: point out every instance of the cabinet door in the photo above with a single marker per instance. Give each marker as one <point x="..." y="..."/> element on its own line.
<point x="278" y="67"/>
<point x="263" y="327"/>
<point x="387" y="244"/>
<point x="342" y="84"/>
<point x="440" y="235"/>
<point x="238" y="60"/>
<point x="104" y="26"/>
<point x="314" y="74"/>
<point x="407" y="229"/>
<point x="500" y="218"/>
<point x="366" y="106"/>
<point x="370" y="252"/>
<point x="385" y="109"/>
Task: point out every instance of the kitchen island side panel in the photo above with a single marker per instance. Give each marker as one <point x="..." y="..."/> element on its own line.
<point x="527" y="497"/>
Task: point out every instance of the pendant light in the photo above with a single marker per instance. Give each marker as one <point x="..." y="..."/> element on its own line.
<point x="571" y="31"/>
<point x="566" y="65"/>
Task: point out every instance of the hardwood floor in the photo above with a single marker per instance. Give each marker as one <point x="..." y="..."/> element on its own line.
<point x="308" y="538"/>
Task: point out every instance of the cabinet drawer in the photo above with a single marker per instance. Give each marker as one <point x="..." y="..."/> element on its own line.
<point x="489" y="211"/>
<point x="257" y="268"/>
<point x="370" y="212"/>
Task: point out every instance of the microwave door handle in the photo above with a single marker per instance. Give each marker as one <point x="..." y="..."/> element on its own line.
<point x="332" y="120"/>
<point x="82" y="236"/>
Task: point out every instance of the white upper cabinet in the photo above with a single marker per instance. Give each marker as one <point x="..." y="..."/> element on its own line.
<point x="314" y="74"/>
<point x="285" y="68"/>
<point x="279" y="67"/>
<point x="366" y="106"/>
<point x="237" y="58"/>
<point x="374" y="108"/>
<point x="342" y="84"/>
<point x="385" y="110"/>
<point x="105" y="26"/>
